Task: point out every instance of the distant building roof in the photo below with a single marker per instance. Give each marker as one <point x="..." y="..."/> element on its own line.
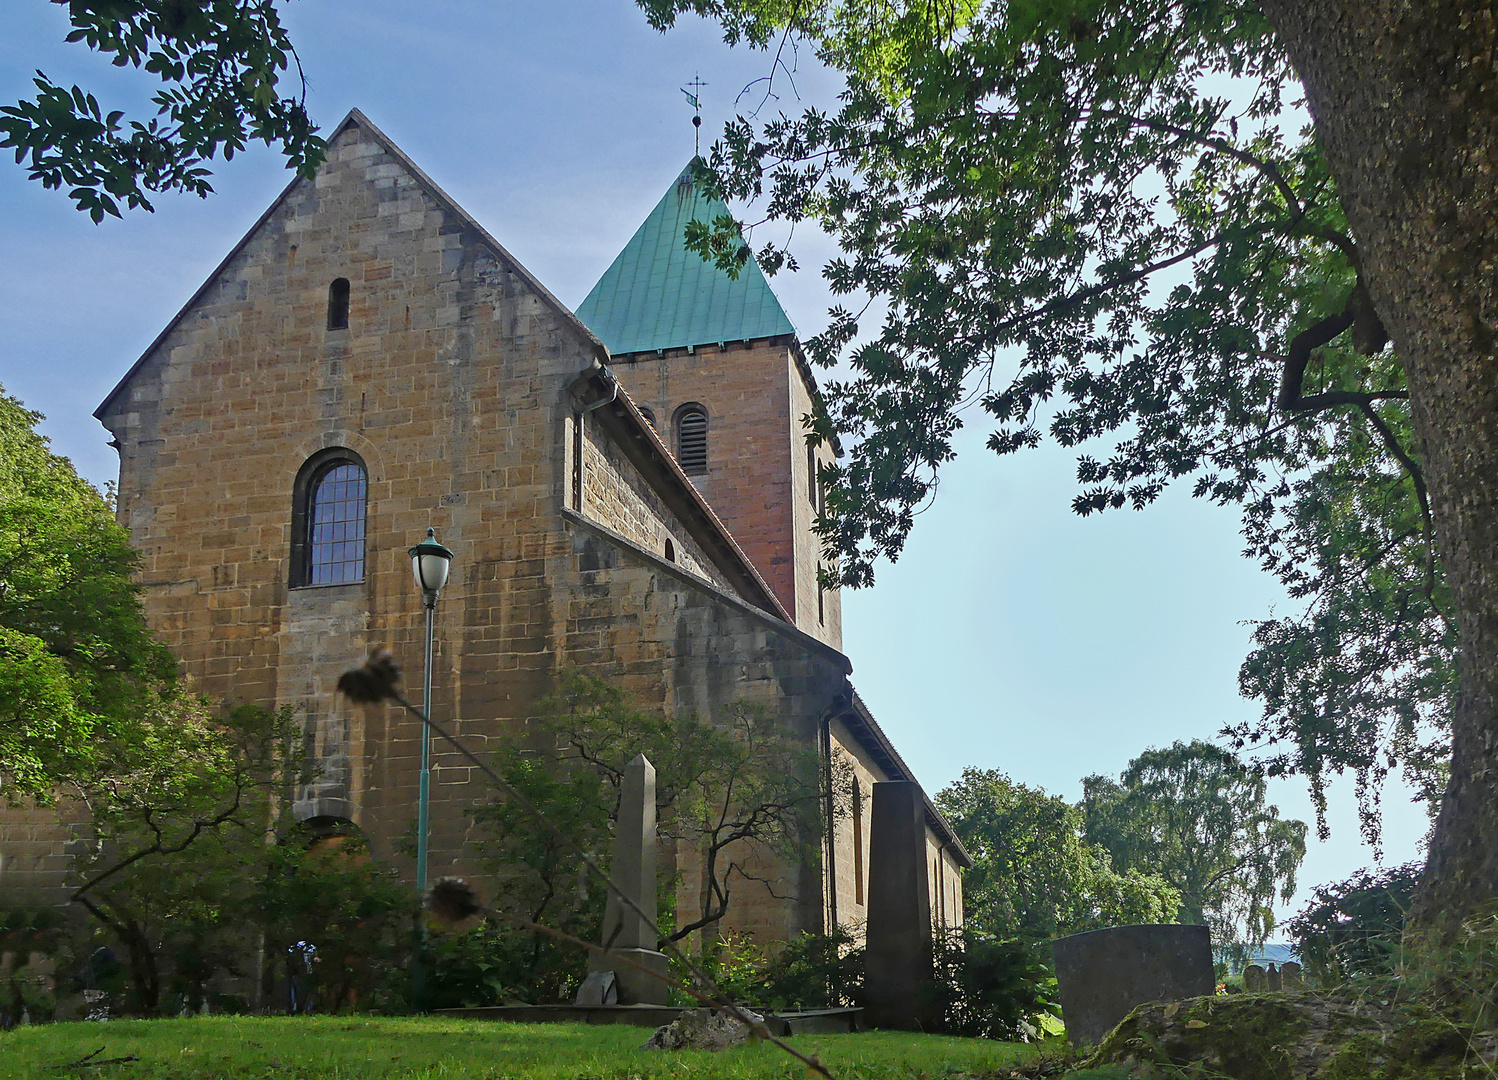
<point x="659" y="295"/>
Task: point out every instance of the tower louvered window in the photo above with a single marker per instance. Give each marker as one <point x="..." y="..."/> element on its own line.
<point x="691" y="439"/>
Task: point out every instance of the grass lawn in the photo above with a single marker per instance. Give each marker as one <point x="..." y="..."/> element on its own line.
<point x="416" y="1048"/>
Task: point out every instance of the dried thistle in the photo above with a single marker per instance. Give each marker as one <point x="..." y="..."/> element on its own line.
<point x="376" y="681"/>
<point x="451" y="900"/>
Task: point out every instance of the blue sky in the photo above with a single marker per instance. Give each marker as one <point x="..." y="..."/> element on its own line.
<point x="1011" y="634"/>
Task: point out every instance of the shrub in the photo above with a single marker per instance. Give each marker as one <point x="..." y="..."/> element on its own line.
<point x="1352" y="929"/>
<point x="991" y="989"/>
<point x="494" y="964"/>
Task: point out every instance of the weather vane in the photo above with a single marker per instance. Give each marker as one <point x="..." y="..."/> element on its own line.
<point x="694" y="98"/>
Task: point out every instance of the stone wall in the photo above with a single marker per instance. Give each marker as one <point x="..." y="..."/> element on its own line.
<point x="617" y="496"/>
<point x="33" y="856"/>
<point x="757" y="479"/>
<point x="851" y="836"/>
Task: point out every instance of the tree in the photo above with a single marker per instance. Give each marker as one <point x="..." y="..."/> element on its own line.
<point x="1034" y="875"/>
<point x="189" y="799"/>
<point x="1056" y="185"/>
<point x="77" y="663"/>
<point x="739" y="790"/>
<point x="1109" y="199"/>
<point x="1193" y="814"/>
<point x="220" y="65"/>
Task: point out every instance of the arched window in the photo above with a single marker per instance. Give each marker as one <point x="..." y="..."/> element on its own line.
<point x="328" y="520"/>
<point x="649" y="415"/>
<point x="670" y="550"/>
<point x="338" y="304"/>
<point x="691" y="439"/>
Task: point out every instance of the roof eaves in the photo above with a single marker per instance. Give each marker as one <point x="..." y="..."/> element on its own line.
<point x="874" y="740"/>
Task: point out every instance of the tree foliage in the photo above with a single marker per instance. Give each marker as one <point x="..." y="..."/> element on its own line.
<point x="220" y="65"/>
<point x="1035" y="876"/>
<point x="739" y="790"/>
<point x="194" y="867"/>
<point x="77" y="663"/>
<point x="1196" y="816"/>
<point x="1351" y="929"/>
<point x="1104" y="222"/>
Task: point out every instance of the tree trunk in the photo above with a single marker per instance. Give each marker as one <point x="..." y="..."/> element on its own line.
<point x="1405" y="100"/>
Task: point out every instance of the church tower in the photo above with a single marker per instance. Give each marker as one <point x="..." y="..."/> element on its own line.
<point x="714" y="363"/>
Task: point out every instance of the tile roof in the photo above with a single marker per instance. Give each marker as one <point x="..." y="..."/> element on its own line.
<point x="659" y="295"/>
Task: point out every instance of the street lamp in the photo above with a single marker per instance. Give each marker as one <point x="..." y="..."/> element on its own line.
<point x="430" y="562"/>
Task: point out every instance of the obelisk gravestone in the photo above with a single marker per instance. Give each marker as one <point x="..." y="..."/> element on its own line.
<point x="626" y="936"/>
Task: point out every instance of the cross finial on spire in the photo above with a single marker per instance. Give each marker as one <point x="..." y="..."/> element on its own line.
<point x="694" y="98"/>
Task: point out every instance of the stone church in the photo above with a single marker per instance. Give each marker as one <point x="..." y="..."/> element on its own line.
<point x="627" y="489"/>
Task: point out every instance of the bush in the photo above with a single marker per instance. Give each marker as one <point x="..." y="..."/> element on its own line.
<point x="494" y="964"/>
<point x="983" y="987"/>
<point x="339" y="923"/>
<point x="1352" y="929"/>
<point x="992" y="989"/>
<point x="811" y="971"/>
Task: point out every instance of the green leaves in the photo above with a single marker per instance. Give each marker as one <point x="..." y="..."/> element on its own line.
<point x="1102" y="222"/>
<point x="1035" y="876"/>
<point x="76" y="659"/>
<point x="220" y="64"/>
<point x="1195" y="815"/>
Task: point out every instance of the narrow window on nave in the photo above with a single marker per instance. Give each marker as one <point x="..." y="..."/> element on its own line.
<point x="338" y="304"/>
<point x="691" y="439"/>
<point x="811" y="476"/>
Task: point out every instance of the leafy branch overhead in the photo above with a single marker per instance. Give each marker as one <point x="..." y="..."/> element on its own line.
<point x="220" y="65"/>
<point x="1104" y="223"/>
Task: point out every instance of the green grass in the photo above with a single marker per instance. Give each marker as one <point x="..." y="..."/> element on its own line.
<point x="418" y="1048"/>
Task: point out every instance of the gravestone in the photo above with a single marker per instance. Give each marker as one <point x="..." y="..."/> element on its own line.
<point x="897" y="954"/>
<point x="626" y="936"/>
<point x="1291" y="977"/>
<point x="1103" y="974"/>
<point x="1272" y="977"/>
<point x="598" y="988"/>
<point x="1255" y="979"/>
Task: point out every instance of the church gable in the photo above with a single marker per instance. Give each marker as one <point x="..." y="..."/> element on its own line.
<point x="370" y="216"/>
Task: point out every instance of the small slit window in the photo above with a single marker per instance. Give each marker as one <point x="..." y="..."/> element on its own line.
<point x="338" y="304"/>
<point x="328" y="520"/>
<point x="811" y="476"/>
<point x="670" y="550"/>
<point x="691" y="439"/>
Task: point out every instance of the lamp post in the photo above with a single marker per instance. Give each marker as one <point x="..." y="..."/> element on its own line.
<point x="430" y="563"/>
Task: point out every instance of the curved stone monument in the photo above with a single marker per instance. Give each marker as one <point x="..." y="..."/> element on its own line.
<point x="1103" y="974"/>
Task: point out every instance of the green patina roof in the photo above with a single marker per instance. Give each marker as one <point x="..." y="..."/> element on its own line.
<point x="659" y="295"/>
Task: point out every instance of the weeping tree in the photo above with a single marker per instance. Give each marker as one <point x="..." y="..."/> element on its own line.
<point x="1194" y="815"/>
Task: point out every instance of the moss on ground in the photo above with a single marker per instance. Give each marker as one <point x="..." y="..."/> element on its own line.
<point x="1347" y="1034"/>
